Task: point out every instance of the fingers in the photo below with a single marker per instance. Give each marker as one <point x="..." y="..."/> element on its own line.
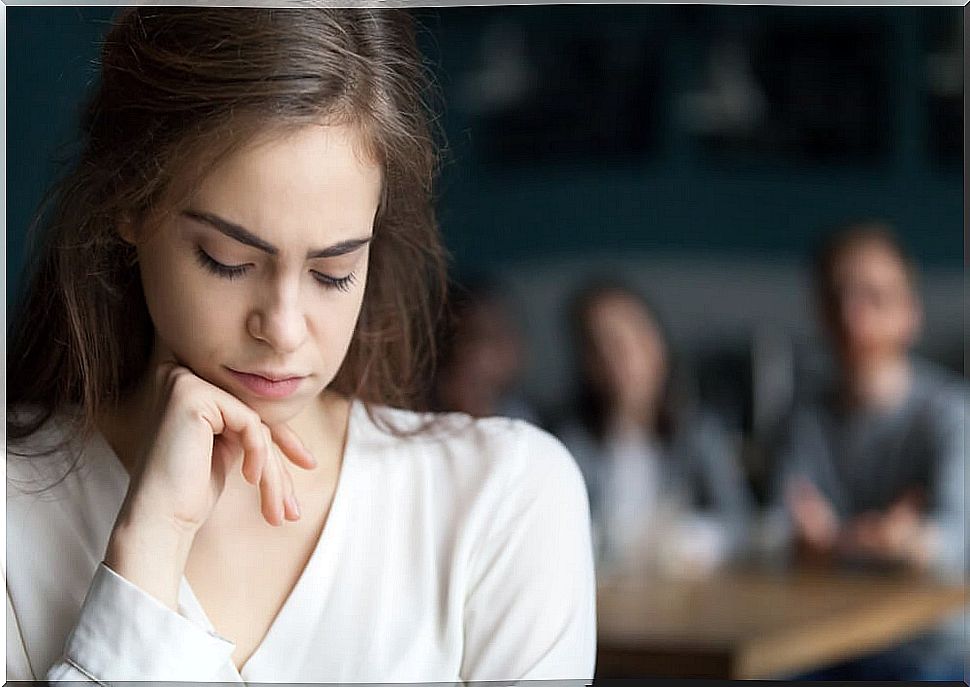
<point x="271" y="493"/>
<point x="292" y="447"/>
<point x="231" y="417"/>
<point x="278" y="501"/>
<point x="256" y="448"/>
<point x="265" y="450"/>
<point x="257" y="453"/>
<point x="290" y="503"/>
<point x="263" y="462"/>
<point x="224" y="451"/>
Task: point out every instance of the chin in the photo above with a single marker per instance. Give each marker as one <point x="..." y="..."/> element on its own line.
<point x="277" y="411"/>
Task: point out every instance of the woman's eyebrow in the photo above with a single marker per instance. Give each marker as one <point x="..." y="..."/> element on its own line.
<point x="243" y="235"/>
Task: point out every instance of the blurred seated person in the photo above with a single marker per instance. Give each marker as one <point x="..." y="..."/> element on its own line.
<point x="481" y="356"/>
<point x="873" y="466"/>
<point x="666" y="490"/>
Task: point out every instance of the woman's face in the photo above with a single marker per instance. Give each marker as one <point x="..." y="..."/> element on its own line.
<point x="872" y="311"/>
<point x="256" y="282"/>
<point x="625" y="355"/>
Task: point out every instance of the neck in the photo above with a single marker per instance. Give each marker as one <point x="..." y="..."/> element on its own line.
<point x="639" y="419"/>
<point x="881" y="383"/>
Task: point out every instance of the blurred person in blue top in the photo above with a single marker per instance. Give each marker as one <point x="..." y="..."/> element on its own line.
<point x="872" y="469"/>
<point x="665" y="486"/>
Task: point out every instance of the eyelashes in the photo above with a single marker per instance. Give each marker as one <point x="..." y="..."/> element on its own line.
<point x="217" y="268"/>
<point x="231" y="272"/>
<point x="339" y="283"/>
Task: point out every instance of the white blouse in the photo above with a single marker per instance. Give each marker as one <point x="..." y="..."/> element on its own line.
<point x="461" y="554"/>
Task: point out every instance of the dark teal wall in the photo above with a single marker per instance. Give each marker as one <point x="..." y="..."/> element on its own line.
<point x="678" y="200"/>
<point x="50" y="64"/>
<point x="674" y="200"/>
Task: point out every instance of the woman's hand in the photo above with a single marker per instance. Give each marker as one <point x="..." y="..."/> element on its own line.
<point x="899" y="533"/>
<point x="815" y="520"/>
<point x="200" y="433"/>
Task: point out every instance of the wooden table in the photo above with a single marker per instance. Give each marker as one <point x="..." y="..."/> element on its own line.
<point x="748" y="624"/>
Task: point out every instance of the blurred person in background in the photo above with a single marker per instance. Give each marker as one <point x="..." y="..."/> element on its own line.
<point x="652" y="462"/>
<point x="482" y="356"/>
<point x="872" y="469"/>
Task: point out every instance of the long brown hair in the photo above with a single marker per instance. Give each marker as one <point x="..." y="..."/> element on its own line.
<point x="180" y="89"/>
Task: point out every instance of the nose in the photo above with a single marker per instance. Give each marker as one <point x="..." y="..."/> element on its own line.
<point x="279" y="319"/>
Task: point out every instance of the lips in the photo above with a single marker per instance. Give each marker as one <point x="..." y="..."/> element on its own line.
<point x="269" y="384"/>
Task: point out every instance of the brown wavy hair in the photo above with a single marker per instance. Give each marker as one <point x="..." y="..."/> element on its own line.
<point x="180" y="89"/>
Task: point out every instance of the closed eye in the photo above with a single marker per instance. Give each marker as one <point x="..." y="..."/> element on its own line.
<point x="235" y="271"/>
<point x="339" y="283"/>
<point x="217" y="268"/>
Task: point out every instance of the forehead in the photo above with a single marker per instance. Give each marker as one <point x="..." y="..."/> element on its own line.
<point x="308" y="182"/>
<point x="870" y="260"/>
<point x="614" y="310"/>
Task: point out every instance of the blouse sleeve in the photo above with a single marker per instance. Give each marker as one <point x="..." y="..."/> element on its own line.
<point x="125" y="634"/>
<point x="530" y="605"/>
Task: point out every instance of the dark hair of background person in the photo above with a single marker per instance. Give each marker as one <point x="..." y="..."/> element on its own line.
<point x="180" y="90"/>
<point x="857" y="232"/>
<point x="592" y="406"/>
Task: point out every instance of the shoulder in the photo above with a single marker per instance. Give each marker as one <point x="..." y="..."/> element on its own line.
<point x="499" y="453"/>
<point x="937" y="386"/>
<point x="60" y="476"/>
<point x="940" y="401"/>
<point x="62" y="497"/>
<point x="41" y="458"/>
<point x="529" y="455"/>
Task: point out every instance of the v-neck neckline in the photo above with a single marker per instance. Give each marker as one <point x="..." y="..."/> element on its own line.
<point x="189" y="603"/>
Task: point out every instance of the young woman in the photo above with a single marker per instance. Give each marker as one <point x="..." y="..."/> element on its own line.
<point x="213" y="471"/>
<point x="648" y="457"/>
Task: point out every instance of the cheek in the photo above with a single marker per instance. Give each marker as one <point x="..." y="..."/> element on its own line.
<point x="334" y="323"/>
<point x="871" y="323"/>
<point x="335" y="329"/>
<point x="182" y="308"/>
<point x="902" y="325"/>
